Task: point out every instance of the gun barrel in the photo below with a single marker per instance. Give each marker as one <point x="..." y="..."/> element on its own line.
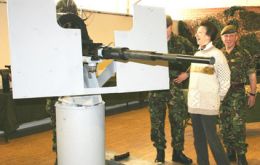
<point x="126" y="54"/>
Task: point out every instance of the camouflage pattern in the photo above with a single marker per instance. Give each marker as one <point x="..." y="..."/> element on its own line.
<point x="172" y="99"/>
<point x="66" y="6"/>
<point x="180" y="45"/>
<point x="241" y="64"/>
<point x="50" y="109"/>
<point x="232" y="111"/>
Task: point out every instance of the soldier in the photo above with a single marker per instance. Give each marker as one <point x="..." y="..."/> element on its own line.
<point x="232" y="114"/>
<point x="174" y="100"/>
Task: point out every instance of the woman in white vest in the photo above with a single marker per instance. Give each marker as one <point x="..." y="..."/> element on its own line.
<point x="207" y="88"/>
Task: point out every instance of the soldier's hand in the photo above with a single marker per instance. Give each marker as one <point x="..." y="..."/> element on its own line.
<point x="251" y="101"/>
<point x="183" y="76"/>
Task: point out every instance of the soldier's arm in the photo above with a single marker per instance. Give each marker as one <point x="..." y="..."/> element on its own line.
<point x="252" y="93"/>
<point x="251" y="72"/>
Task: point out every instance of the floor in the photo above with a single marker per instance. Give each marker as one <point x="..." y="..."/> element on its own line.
<point x="125" y="132"/>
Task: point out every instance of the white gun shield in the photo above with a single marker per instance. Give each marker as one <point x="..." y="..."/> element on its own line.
<point x="46" y="59"/>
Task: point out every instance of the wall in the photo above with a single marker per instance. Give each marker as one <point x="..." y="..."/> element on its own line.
<point x="101" y="26"/>
<point x="4" y="49"/>
<point x="190" y="14"/>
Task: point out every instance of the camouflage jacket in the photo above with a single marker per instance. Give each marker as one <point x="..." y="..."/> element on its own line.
<point x="179" y="45"/>
<point x="241" y="64"/>
<point x="176" y="45"/>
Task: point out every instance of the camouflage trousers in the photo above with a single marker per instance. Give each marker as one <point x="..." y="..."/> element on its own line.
<point x="232" y="121"/>
<point x="175" y="101"/>
<point x="50" y="109"/>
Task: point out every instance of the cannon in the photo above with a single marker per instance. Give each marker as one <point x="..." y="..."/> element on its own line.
<point x="51" y="61"/>
<point x="94" y="111"/>
<point x="97" y="51"/>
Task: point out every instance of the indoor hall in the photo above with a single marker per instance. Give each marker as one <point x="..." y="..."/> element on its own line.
<point x="25" y="126"/>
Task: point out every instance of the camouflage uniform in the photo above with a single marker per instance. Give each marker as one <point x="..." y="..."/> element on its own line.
<point x="173" y="99"/>
<point x="51" y="110"/>
<point x="232" y="112"/>
<point x="66" y="6"/>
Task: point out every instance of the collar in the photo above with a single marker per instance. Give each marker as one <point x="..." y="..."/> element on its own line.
<point x="208" y="46"/>
<point x="232" y="51"/>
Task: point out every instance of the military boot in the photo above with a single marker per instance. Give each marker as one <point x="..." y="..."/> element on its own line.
<point x="241" y="160"/>
<point x="178" y="156"/>
<point x="160" y="157"/>
<point x="231" y="154"/>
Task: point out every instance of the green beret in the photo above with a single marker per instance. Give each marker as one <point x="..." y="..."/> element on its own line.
<point x="228" y="29"/>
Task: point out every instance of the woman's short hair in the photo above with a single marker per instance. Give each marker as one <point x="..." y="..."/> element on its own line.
<point x="212" y="30"/>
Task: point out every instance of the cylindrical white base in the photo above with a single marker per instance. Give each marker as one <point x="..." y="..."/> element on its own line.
<point x="80" y="134"/>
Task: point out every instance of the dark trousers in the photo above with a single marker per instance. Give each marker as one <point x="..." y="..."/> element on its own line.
<point x="204" y="132"/>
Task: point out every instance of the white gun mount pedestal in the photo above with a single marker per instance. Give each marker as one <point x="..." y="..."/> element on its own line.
<point x="80" y="124"/>
<point x="80" y="131"/>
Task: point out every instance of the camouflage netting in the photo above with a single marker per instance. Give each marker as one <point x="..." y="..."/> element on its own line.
<point x="248" y="23"/>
